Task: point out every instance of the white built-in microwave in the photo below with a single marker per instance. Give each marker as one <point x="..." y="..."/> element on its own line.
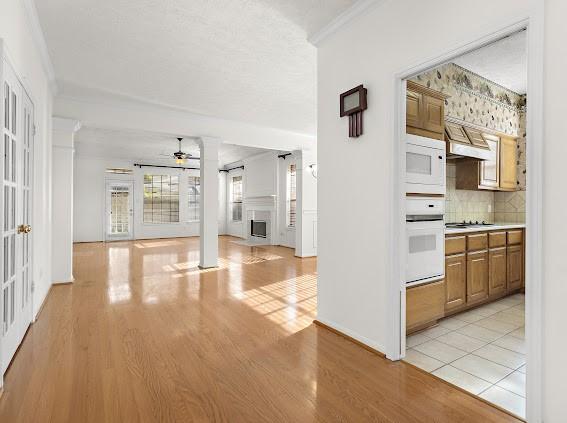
<point x="425" y="165"/>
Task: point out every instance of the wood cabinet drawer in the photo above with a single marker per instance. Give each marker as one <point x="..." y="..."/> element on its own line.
<point x="455" y="245"/>
<point x="425" y="304"/>
<point x="477" y="242"/>
<point x="497" y="239"/>
<point x="515" y="237"/>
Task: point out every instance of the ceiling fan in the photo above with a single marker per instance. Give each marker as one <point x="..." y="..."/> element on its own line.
<point x="179" y="156"/>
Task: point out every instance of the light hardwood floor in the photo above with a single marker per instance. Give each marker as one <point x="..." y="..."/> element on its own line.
<point x="144" y="335"/>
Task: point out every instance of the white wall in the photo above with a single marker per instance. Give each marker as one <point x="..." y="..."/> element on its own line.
<point x="306" y="221"/>
<point x="260" y="172"/>
<point x="17" y="34"/>
<point x="554" y="206"/>
<point x="90" y="202"/>
<point x="353" y="234"/>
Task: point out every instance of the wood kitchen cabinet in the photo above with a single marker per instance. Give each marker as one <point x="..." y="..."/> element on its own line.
<point x="477" y="276"/>
<point x="515" y="267"/>
<point x="425" y="111"/>
<point x="508" y="161"/>
<point x="424" y="305"/>
<point x="479" y="268"/>
<point x="489" y="170"/>
<point x="497" y="264"/>
<point x="499" y="173"/>
<point x="455" y="281"/>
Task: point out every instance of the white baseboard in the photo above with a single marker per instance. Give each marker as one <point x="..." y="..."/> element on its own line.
<point x="354" y="335"/>
<point x="62" y="281"/>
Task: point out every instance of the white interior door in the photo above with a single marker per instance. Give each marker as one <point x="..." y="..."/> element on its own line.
<point x="119" y="210"/>
<point x="16" y="247"/>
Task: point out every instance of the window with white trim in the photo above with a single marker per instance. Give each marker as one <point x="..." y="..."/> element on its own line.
<point x="161" y="198"/>
<point x="236" y="199"/>
<point x="194" y="198"/>
<point x="291" y="195"/>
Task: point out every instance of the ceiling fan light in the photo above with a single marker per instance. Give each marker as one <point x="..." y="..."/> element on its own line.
<point x="179" y="160"/>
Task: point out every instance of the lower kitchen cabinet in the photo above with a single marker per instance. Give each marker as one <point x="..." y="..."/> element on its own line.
<point x="497" y="265"/>
<point x="455" y="281"/>
<point x="515" y="266"/>
<point x="477" y="276"/>
<point x="479" y="267"/>
<point x="425" y="304"/>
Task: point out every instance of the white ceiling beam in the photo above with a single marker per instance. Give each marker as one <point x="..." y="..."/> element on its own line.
<point x="140" y="116"/>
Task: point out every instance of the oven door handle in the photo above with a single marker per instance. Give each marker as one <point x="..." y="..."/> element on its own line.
<point x="424" y="218"/>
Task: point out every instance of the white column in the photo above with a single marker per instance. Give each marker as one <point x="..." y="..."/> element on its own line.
<point x="209" y="232"/>
<point x="62" y="199"/>
<point x="306" y="217"/>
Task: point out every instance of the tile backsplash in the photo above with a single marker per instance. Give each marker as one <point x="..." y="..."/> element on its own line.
<point x="510" y="207"/>
<point x="490" y="206"/>
<point x="467" y="205"/>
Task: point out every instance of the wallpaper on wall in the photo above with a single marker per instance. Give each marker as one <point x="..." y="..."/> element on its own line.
<point x="477" y="100"/>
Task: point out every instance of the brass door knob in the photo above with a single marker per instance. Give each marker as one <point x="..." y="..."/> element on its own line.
<point x="24" y="229"/>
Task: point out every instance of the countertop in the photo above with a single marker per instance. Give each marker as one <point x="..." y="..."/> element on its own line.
<point x="495" y="227"/>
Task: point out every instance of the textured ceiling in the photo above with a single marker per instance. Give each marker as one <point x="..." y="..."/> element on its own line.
<point x="504" y="62"/>
<point x="246" y="60"/>
<point x="144" y="146"/>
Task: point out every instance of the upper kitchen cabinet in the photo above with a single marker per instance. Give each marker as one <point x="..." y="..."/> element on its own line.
<point x="425" y="111"/>
<point x="497" y="173"/>
<point x="508" y="160"/>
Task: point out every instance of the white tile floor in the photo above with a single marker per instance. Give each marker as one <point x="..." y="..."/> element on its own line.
<point x="481" y="350"/>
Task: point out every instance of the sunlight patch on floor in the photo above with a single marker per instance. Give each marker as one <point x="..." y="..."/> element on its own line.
<point x="119" y="293"/>
<point x="291" y="303"/>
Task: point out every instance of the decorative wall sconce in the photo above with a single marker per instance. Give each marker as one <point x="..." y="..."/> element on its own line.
<point x="353" y="103"/>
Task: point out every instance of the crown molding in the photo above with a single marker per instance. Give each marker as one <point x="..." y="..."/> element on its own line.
<point x="41" y="44"/>
<point x="348" y="15"/>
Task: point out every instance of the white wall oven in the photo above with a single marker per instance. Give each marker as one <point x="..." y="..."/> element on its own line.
<point x="425" y="234"/>
<point x="425" y="165"/>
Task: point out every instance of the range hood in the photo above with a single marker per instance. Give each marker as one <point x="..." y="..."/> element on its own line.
<point x="465" y="141"/>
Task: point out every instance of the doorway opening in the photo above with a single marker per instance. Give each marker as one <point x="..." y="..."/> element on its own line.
<point x="463" y="163"/>
<point x="119" y="211"/>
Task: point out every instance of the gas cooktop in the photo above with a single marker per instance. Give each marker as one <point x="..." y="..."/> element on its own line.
<point x="468" y="224"/>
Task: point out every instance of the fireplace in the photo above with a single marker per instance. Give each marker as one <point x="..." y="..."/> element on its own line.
<point x="258" y="228"/>
<point x="261" y="220"/>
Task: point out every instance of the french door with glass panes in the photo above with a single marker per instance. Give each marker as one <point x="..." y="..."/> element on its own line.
<point x="16" y="247"/>
<point x="119" y="210"/>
